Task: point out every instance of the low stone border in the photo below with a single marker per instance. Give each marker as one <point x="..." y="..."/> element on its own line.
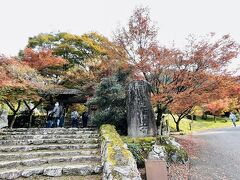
<point x="118" y="162"/>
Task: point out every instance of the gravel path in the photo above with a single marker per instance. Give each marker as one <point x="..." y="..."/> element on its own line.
<point x="218" y="155"/>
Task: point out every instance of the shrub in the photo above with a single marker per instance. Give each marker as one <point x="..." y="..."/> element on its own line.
<point x="111" y="105"/>
<point x="137" y="153"/>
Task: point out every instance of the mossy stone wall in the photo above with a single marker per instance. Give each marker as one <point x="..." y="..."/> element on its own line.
<point x="118" y="161"/>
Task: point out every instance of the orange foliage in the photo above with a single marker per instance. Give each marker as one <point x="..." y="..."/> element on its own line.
<point x="180" y="79"/>
<point x="7" y="78"/>
<point x="218" y="107"/>
<point x="41" y="60"/>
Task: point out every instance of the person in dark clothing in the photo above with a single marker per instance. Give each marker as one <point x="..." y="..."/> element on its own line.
<point x="85" y="119"/>
<point x="62" y="115"/>
<point x="56" y="115"/>
<point x="49" y="121"/>
<point x="74" y="118"/>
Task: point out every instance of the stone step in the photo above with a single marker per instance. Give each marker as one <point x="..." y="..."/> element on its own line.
<point x="50" y="136"/>
<point x="48" y="160"/>
<point x="48" y="141"/>
<point x="69" y="177"/>
<point x="45" y="129"/>
<point x="47" y="132"/>
<point x="30" y="155"/>
<point x="52" y="170"/>
<point x="47" y="147"/>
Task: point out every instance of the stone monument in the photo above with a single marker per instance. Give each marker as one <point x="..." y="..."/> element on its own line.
<point x="3" y="118"/>
<point x="140" y="115"/>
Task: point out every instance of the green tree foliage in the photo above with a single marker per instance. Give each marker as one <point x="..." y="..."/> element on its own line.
<point x="72" y="47"/>
<point x="110" y="102"/>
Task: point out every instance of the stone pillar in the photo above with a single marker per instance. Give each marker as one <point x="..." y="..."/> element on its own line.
<point x="140" y="115"/>
<point x="3" y="118"/>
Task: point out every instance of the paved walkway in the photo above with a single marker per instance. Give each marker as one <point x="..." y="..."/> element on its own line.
<point x="219" y="155"/>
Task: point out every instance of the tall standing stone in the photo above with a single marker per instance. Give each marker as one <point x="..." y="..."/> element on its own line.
<point x="140" y="115"/>
<point x="3" y="118"/>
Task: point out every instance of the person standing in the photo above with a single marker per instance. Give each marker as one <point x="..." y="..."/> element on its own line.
<point x="85" y="119"/>
<point x="56" y="115"/>
<point x="233" y="118"/>
<point x="49" y="121"/>
<point x="62" y="115"/>
<point x="74" y="118"/>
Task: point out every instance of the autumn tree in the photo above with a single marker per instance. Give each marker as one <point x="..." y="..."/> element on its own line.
<point x="22" y="81"/>
<point x="86" y="76"/>
<point x="139" y="40"/>
<point x="180" y="79"/>
<point x="42" y="59"/>
<point x="16" y="87"/>
<point x="217" y="108"/>
<point x="74" y="48"/>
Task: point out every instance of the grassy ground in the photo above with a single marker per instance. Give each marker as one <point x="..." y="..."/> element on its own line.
<point x="200" y="124"/>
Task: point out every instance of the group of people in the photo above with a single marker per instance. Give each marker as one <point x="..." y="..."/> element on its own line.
<point x="57" y="115"/>
<point x="75" y="119"/>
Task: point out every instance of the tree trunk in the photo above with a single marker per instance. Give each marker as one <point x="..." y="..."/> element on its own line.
<point x="30" y="119"/>
<point x="11" y="106"/>
<point x="177" y="125"/>
<point x="13" y="120"/>
<point x="214" y="117"/>
<point x="159" y="115"/>
<point x="30" y="111"/>
<point x="191" y="123"/>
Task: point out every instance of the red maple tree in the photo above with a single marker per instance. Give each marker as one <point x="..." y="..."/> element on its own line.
<point x="180" y="78"/>
<point x="43" y="59"/>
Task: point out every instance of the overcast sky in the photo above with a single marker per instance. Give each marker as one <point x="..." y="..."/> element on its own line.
<point x="176" y="19"/>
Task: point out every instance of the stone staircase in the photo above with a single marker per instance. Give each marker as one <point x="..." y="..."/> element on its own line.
<point x="55" y="152"/>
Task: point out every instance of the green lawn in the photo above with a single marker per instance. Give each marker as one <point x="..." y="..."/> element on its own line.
<point x="199" y="124"/>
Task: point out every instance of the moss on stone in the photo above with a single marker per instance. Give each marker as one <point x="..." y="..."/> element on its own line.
<point x="140" y="140"/>
<point x="115" y="145"/>
<point x="175" y="153"/>
<point x="179" y="153"/>
<point x="140" y="148"/>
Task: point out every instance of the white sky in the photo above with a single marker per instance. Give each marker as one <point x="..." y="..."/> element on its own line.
<point x="20" y="19"/>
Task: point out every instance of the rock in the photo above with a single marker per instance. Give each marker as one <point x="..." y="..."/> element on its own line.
<point x="126" y="172"/>
<point x="119" y="156"/>
<point x="53" y="171"/>
<point x="11" y="174"/>
<point x="174" y="150"/>
<point x="33" y="162"/>
<point x="3" y="118"/>
<point x="38" y="142"/>
<point x="174" y="158"/>
<point x="174" y="143"/>
<point x="7" y="164"/>
<point x="31" y="172"/>
<point x="140" y="115"/>
<point x="157" y="152"/>
<point x="123" y="170"/>
<point x="107" y="171"/>
<point x="157" y="149"/>
<point x="78" y="170"/>
<point x="118" y="162"/>
<point x="98" y="169"/>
